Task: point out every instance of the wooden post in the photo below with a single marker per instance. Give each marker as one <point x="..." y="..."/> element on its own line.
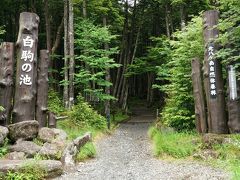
<point x="200" y="113"/>
<point x="233" y="101"/>
<point x="213" y="80"/>
<point x="25" y="90"/>
<point x="42" y="88"/>
<point x="52" y="122"/>
<point x="6" y="80"/>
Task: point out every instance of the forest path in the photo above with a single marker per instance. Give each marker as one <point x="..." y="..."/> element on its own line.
<point x="127" y="155"/>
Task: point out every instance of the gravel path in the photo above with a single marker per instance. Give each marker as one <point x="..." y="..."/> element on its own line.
<point x="127" y="155"/>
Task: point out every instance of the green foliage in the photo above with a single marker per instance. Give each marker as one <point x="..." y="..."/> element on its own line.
<point x="28" y="172"/>
<point x="1" y="109"/>
<point x="86" y="152"/>
<point x="84" y="116"/>
<point x="176" y="70"/>
<point x="4" y="149"/>
<point x="55" y="104"/>
<point x="174" y="144"/>
<point x="94" y="60"/>
<point x="229" y="33"/>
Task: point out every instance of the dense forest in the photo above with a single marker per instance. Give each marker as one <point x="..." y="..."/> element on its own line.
<point x="112" y="52"/>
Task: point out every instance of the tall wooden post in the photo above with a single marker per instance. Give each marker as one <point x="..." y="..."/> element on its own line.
<point x="233" y="101"/>
<point x="213" y="80"/>
<point x="200" y="111"/>
<point x="42" y="88"/>
<point x="6" y="80"/>
<point x="25" y="90"/>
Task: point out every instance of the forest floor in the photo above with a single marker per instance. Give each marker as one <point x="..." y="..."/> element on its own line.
<point x="127" y="155"/>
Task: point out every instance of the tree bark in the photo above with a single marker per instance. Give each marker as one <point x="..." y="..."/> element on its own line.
<point x="71" y="53"/>
<point x="42" y="88"/>
<point x="6" y="81"/>
<point x="25" y="90"/>
<point x="58" y="37"/>
<point x="217" y="122"/>
<point x="200" y="113"/>
<point x="66" y="55"/>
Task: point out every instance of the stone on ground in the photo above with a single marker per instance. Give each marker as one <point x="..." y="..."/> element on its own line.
<point x="26" y="130"/>
<point x="50" y="135"/>
<point x="52" y="168"/>
<point x="70" y="152"/>
<point x="3" y="134"/>
<point x="28" y="147"/>
<point x="15" y="156"/>
<point x="52" y="150"/>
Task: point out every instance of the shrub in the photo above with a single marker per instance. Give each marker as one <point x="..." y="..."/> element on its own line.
<point x="84" y="116"/>
<point x="55" y="104"/>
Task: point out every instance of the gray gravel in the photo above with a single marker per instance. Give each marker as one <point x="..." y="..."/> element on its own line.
<point x="127" y="155"/>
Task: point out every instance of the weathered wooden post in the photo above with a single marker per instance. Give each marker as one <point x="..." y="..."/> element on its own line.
<point x="213" y="80"/>
<point x="42" y="88"/>
<point x="52" y="121"/>
<point x="233" y="101"/>
<point x="25" y="88"/>
<point x="200" y="111"/>
<point x="6" y="80"/>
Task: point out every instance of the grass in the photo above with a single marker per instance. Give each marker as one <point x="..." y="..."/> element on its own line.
<point x="119" y="117"/>
<point x="182" y="145"/>
<point x="173" y="144"/>
<point x="28" y="172"/>
<point x="88" y="151"/>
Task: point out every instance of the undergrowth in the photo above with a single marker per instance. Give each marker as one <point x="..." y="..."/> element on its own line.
<point x="183" y="145"/>
<point x="28" y="172"/>
<point x="86" y="152"/>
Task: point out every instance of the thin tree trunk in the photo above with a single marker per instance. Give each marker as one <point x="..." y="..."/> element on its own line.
<point x="66" y="55"/>
<point x="213" y="80"/>
<point x="71" y="53"/>
<point x="42" y="88"/>
<point x="48" y="26"/>
<point x="107" y="78"/>
<point x="200" y="110"/>
<point x="6" y="81"/>
<point x="25" y="88"/>
<point x="85" y="8"/>
<point x="182" y="16"/>
<point x="58" y="37"/>
<point x="167" y="20"/>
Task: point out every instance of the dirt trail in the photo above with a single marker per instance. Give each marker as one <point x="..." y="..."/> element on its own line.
<point x="127" y="155"/>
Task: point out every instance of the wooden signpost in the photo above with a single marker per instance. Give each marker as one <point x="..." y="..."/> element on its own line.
<point x="213" y="80"/>
<point x="42" y="88"/>
<point x="25" y="88"/>
<point x="6" y="81"/>
<point x="200" y="113"/>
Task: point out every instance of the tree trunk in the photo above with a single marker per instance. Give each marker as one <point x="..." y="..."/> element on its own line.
<point x="71" y="53"/>
<point x="66" y="55"/>
<point x="213" y="80"/>
<point x="107" y="78"/>
<point x="47" y="24"/>
<point x="233" y="101"/>
<point x="42" y="88"/>
<point x="200" y="113"/>
<point x="182" y="16"/>
<point x="85" y="8"/>
<point x="58" y="37"/>
<point x="25" y="87"/>
<point x="167" y="20"/>
<point x="6" y="81"/>
<point x="52" y="121"/>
